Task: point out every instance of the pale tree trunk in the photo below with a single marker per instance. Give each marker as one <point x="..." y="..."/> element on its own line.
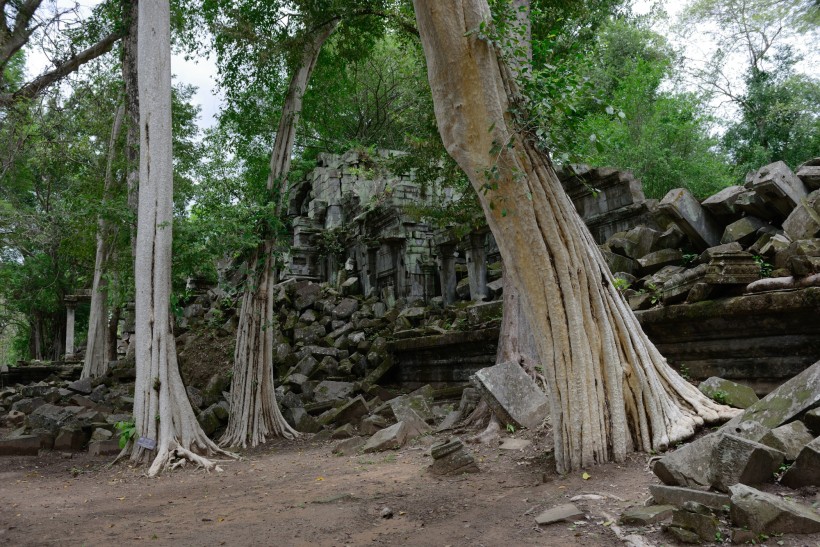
<point x="515" y="341"/>
<point x="610" y="389"/>
<point x="130" y="14"/>
<point x="96" y="353"/>
<point x="162" y="412"/>
<point x="254" y="415"/>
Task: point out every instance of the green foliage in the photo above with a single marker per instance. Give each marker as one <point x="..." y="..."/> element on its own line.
<point x="126" y="432"/>
<point x="720" y="397"/>
<point x="766" y="268"/>
<point x="661" y="136"/>
<point x="778" y="117"/>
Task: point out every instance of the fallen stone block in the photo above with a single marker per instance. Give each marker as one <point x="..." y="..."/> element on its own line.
<point x="83" y="386"/>
<point x="299" y="418"/>
<point x="345" y="431"/>
<point x="372" y="424"/>
<point x="804" y="220"/>
<point x="452" y="458"/>
<point x="678" y="496"/>
<point x="681" y="208"/>
<point x="353" y="411"/>
<point x="677" y="288"/>
<point x="689" y="465"/>
<point x="108" y="447"/>
<point x="559" y="513"/>
<point x="512" y="395"/>
<point x="789" y="439"/>
<point x="653" y="262"/>
<point x="24" y="445"/>
<point x="642" y="516"/>
<point x="793" y="397"/>
<point x="682" y="535"/>
<point x="742" y="231"/>
<point x="704" y="526"/>
<point x="728" y="392"/>
<point x="70" y="439"/>
<point x="387" y="439"/>
<point x="330" y="390"/>
<point x="806" y="469"/>
<point x="722" y="205"/>
<point x="779" y="188"/>
<point x="766" y="513"/>
<point x="732" y="268"/>
<point x="345" y="309"/>
<point x="809" y="173"/>
<point x="739" y="460"/>
<point x="349" y="446"/>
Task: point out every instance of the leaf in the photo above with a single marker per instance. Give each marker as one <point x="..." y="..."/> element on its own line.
<point x="320" y="478"/>
<point x="586" y="476"/>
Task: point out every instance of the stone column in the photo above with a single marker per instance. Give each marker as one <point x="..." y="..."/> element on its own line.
<point x="447" y="272"/>
<point x="477" y="267"/>
<point x="69" y="327"/>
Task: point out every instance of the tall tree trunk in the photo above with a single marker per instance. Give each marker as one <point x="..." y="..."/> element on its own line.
<point x="96" y="353"/>
<point x="610" y="389"/>
<point x="254" y="415"/>
<point x="130" y="14"/>
<point x="162" y="412"/>
<point x="515" y="341"/>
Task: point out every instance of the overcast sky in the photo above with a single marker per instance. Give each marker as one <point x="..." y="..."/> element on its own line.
<point x="201" y="73"/>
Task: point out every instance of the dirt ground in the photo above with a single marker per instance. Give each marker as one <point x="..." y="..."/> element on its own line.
<point x="299" y="493"/>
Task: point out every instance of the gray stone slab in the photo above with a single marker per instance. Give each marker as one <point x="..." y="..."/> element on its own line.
<point x="804" y="221"/>
<point x="681" y="207"/>
<point x="728" y="392"/>
<point x="330" y="390"/>
<point x="512" y="395"/>
<point x="778" y="187"/>
<point x="559" y="513"/>
<point x="387" y="439"/>
<point x="809" y="173"/>
<point x="722" y="204"/>
<point x="25" y="445"/>
<point x="806" y="469"/>
<point x="691" y="464"/>
<point x="642" y="516"/>
<point x="766" y="513"/>
<point x="739" y="460"/>
<point x="742" y="231"/>
<point x="678" y="495"/>
<point x="789" y="439"/>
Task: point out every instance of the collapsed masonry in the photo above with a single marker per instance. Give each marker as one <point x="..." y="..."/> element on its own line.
<point x="708" y="255"/>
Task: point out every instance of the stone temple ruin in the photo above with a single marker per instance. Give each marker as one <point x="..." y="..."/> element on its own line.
<point x="688" y="268"/>
<point x="386" y="331"/>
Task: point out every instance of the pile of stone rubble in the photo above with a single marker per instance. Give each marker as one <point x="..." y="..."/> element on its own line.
<point x="727" y="242"/>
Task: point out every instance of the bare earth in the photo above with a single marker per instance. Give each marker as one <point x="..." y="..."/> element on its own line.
<point x="299" y="493"/>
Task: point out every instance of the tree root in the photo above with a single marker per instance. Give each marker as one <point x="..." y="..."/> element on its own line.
<point x="490" y="434"/>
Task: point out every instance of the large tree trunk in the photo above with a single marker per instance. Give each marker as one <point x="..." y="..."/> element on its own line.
<point x="162" y="412"/>
<point x="130" y="14"/>
<point x="254" y="415"/>
<point x="610" y="389"/>
<point x="96" y="353"/>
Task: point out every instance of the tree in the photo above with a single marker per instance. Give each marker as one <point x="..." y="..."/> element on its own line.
<point x="610" y="389"/>
<point x="98" y="349"/>
<point x="775" y="107"/>
<point x="163" y="417"/>
<point x="254" y="413"/>
<point x="19" y="21"/>
<point x="661" y="135"/>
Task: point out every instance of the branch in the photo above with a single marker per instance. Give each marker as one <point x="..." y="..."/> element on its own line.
<point x="60" y="71"/>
